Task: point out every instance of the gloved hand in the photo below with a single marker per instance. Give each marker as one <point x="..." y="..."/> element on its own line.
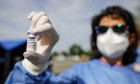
<point x="136" y="67"/>
<point x="36" y="62"/>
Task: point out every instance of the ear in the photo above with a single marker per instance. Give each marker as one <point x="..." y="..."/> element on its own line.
<point x="132" y="38"/>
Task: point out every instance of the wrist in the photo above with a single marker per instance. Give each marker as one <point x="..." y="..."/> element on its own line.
<point x="34" y="69"/>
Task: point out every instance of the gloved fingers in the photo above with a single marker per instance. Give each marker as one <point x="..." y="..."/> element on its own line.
<point x="36" y="17"/>
<point x="136" y="67"/>
<point x="43" y="29"/>
<point x="31" y="30"/>
<point x="42" y="20"/>
<point x="33" y="57"/>
<point x="31" y="15"/>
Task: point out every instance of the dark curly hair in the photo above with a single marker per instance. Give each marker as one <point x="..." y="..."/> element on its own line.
<point x="116" y="12"/>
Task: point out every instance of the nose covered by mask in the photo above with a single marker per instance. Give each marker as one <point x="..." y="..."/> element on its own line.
<point x="111" y="44"/>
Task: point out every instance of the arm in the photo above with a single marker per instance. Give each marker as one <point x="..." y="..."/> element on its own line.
<point x="20" y="76"/>
<point x="33" y="68"/>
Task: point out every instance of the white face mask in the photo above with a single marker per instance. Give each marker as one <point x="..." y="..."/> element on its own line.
<point x="112" y="45"/>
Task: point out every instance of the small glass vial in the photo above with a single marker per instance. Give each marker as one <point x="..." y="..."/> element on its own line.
<point x="31" y="42"/>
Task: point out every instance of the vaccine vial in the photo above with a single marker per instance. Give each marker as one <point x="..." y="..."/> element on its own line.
<point x="31" y="42"/>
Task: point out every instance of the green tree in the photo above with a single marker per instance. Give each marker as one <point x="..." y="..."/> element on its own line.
<point x="55" y="53"/>
<point x="75" y="50"/>
<point x="65" y="53"/>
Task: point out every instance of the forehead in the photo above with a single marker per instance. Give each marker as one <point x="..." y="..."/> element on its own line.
<point x="111" y="21"/>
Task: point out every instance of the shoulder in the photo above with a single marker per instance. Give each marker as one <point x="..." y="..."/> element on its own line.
<point x="85" y="65"/>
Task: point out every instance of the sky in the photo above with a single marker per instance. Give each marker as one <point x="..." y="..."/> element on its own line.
<point x="70" y="18"/>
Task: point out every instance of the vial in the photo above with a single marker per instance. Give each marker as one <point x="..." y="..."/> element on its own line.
<point x="31" y="42"/>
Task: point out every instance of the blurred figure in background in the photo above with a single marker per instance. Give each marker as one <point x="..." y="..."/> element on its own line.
<point x="114" y="40"/>
<point x="83" y="58"/>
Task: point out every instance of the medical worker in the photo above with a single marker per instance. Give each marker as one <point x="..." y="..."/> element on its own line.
<point x="114" y="40"/>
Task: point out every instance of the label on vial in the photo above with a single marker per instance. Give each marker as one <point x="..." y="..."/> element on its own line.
<point x="31" y="42"/>
<point x="31" y="46"/>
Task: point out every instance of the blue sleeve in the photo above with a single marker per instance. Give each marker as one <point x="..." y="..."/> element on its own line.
<point x="138" y="55"/>
<point x="20" y="76"/>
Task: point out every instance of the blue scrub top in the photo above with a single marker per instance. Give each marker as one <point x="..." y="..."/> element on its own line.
<point x="93" y="72"/>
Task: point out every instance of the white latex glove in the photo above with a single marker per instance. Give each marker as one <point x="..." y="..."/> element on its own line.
<point x="37" y="62"/>
<point x="136" y="67"/>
